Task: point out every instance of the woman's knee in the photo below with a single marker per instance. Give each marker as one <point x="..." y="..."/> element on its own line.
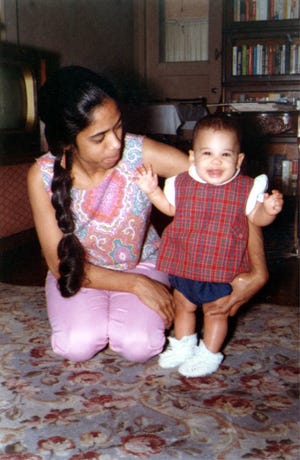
<point x="138" y="347"/>
<point x="77" y="345"/>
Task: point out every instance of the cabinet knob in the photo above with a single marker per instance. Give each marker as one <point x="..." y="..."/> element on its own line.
<point x="214" y="90"/>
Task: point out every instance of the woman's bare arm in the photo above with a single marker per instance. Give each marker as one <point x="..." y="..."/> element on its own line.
<point x="245" y="285"/>
<point x="165" y="160"/>
<point x="44" y="218"/>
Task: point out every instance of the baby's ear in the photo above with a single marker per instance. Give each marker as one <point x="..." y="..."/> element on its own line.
<point x="241" y="157"/>
<point x="191" y="157"/>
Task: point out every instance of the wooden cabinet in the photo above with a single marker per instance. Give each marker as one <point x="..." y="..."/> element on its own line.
<point x="261" y="86"/>
<point x="178" y="79"/>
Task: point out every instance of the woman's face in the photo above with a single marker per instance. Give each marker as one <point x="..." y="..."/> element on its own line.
<point x="99" y="145"/>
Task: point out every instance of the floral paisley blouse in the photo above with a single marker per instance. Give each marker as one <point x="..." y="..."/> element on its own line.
<point x="112" y="219"/>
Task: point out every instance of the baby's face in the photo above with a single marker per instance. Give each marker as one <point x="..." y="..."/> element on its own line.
<point x="216" y="155"/>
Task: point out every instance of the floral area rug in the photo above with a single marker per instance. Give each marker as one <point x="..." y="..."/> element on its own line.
<point x="111" y="409"/>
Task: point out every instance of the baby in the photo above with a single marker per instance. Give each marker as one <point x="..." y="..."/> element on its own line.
<point x="205" y="246"/>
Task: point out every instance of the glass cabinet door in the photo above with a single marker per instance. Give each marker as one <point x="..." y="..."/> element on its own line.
<point x="178" y="48"/>
<point x="183" y="30"/>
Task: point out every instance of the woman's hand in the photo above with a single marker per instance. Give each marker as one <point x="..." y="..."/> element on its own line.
<point x="244" y="285"/>
<point x="156" y="296"/>
<point x="151" y="292"/>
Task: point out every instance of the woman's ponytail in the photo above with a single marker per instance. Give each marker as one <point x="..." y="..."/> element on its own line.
<point x="70" y="251"/>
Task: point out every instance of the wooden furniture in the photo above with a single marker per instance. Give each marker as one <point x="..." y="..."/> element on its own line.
<point x="186" y="79"/>
<point x="260" y="56"/>
<point x="16" y="225"/>
<point x="261" y="86"/>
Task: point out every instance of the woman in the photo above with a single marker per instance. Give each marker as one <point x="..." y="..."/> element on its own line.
<point x="92" y="221"/>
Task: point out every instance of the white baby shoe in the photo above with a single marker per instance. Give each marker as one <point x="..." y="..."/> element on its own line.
<point x="202" y="363"/>
<point x="178" y="351"/>
<point x="260" y="185"/>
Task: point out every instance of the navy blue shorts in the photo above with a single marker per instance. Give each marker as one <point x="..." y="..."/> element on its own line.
<point x="199" y="292"/>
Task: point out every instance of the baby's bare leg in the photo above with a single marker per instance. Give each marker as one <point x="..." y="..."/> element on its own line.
<point x="185" y="316"/>
<point x="207" y="357"/>
<point x="215" y="331"/>
<point x="182" y="346"/>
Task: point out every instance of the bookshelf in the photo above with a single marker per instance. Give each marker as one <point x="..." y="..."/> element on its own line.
<point x="261" y="86"/>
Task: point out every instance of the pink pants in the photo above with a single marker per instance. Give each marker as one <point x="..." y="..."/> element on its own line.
<point x="86" y="323"/>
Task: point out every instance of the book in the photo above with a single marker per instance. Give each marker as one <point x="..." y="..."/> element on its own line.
<point x="244" y="60"/>
<point x="286" y="176"/>
<point x="282" y="59"/>
<point x="293" y="59"/>
<point x="242" y="10"/>
<point x="294" y="177"/>
<point x="236" y="11"/>
<point x="247" y="18"/>
<point x="279" y="9"/>
<point x="255" y="60"/>
<point x="250" y="60"/>
<point x="234" y="60"/>
<point x="253" y="11"/>
<point x="259" y="59"/>
<point x="239" y="61"/>
<point x="261" y="10"/>
<point x="290" y="177"/>
<point x="276" y="173"/>
<point x="287" y="57"/>
<point x="276" y="59"/>
<point x="271" y="10"/>
<point x="297" y="58"/>
<point x="295" y="9"/>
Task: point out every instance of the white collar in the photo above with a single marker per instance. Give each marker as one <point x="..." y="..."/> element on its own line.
<point x="193" y="173"/>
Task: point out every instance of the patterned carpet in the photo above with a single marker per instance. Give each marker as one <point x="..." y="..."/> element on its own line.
<point x="110" y="409"/>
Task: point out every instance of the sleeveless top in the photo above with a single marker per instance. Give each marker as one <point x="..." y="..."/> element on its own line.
<point x="207" y="239"/>
<point x="112" y="219"/>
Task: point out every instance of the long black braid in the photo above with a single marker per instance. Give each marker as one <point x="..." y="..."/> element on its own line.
<point x="70" y="251"/>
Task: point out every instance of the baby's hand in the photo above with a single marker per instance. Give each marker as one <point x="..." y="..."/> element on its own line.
<point x="146" y="180"/>
<point x="273" y="203"/>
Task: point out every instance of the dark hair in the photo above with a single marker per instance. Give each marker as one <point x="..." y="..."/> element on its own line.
<point x="66" y="103"/>
<point x="219" y="122"/>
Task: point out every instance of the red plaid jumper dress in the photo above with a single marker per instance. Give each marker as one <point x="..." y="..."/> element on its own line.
<point x="207" y="239"/>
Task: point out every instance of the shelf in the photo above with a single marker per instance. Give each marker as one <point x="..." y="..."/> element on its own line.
<point x="271" y="138"/>
<point x="261" y="11"/>
<point x="265" y="27"/>
<point x="259" y="52"/>
<point x="282" y="80"/>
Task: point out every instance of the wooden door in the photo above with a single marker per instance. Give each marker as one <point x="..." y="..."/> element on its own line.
<point x="184" y="80"/>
